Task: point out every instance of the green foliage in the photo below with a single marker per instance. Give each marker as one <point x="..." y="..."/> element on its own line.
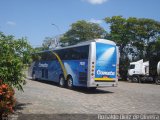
<point x="140" y="33"/>
<point x="14" y="54"/>
<point x="118" y="29"/>
<point x="153" y="48"/>
<point x="82" y="31"/>
<point x="38" y="49"/>
<point x="157" y="46"/>
<point x="47" y="43"/>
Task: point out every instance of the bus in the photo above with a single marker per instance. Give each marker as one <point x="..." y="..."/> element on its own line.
<point x="90" y="64"/>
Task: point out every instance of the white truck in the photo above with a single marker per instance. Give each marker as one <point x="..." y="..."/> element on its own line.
<point x="141" y="71"/>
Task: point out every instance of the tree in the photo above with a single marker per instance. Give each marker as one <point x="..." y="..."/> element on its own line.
<point x="48" y="41"/>
<point x="154" y="48"/>
<point x="82" y="31"/>
<point x="118" y="26"/>
<point x="135" y="32"/>
<point x="138" y="32"/>
<point x="15" y="54"/>
<point x="51" y="42"/>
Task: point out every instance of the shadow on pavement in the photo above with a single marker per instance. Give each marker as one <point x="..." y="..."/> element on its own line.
<point x="91" y="91"/>
<point x="79" y="89"/>
<point x="20" y="106"/>
<point x="57" y="117"/>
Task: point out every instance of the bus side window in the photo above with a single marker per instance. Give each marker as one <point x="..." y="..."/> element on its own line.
<point x="46" y="73"/>
<point x="42" y="73"/>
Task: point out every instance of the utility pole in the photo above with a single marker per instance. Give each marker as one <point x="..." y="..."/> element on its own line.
<point x="56" y="39"/>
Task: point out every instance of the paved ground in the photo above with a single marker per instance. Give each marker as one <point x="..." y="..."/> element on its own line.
<point x="127" y="98"/>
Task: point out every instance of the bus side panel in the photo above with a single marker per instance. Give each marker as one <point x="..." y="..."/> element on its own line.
<point x="54" y="71"/>
<point x="47" y="70"/>
<point x="78" y="70"/>
<point x="51" y="70"/>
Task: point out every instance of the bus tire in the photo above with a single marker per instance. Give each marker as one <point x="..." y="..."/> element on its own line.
<point x="62" y="82"/>
<point x="70" y="82"/>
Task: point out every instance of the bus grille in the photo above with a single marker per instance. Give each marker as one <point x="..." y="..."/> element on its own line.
<point x="83" y="77"/>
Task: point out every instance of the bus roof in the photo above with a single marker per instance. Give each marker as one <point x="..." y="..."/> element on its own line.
<point x="98" y="40"/>
<point x="105" y="41"/>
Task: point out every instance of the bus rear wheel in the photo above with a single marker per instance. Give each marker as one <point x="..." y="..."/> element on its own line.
<point x="70" y="83"/>
<point x="62" y="81"/>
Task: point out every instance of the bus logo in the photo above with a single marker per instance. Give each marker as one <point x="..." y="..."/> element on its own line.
<point x="99" y="72"/>
<point x="45" y="65"/>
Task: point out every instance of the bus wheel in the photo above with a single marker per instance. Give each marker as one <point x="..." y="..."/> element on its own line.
<point x="70" y="83"/>
<point x="62" y="81"/>
<point x="158" y="81"/>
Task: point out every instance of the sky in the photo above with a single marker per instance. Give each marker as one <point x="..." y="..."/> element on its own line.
<point x="37" y="19"/>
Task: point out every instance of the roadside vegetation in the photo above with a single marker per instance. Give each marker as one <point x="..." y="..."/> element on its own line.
<point x="14" y="56"/>
<point x="137" y="38"/>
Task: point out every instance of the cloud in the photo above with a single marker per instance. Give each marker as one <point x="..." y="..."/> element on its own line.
<point x="95" y="21"/>
<point x="96" y="1"/>
<point x="11" y="23"/>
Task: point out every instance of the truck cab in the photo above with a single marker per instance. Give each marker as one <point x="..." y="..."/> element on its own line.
<point x="138" y="68"/>
<point x="144" y="71"/>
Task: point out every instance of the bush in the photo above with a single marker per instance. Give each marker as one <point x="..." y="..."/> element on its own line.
<point x="7" y="100"/>
<point x="15" y="54"/>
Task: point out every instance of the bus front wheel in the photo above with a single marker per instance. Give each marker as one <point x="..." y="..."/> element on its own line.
<point x="70" y="83"/>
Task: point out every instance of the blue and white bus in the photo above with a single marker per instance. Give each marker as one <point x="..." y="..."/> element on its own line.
<point x="89" y="64"/>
